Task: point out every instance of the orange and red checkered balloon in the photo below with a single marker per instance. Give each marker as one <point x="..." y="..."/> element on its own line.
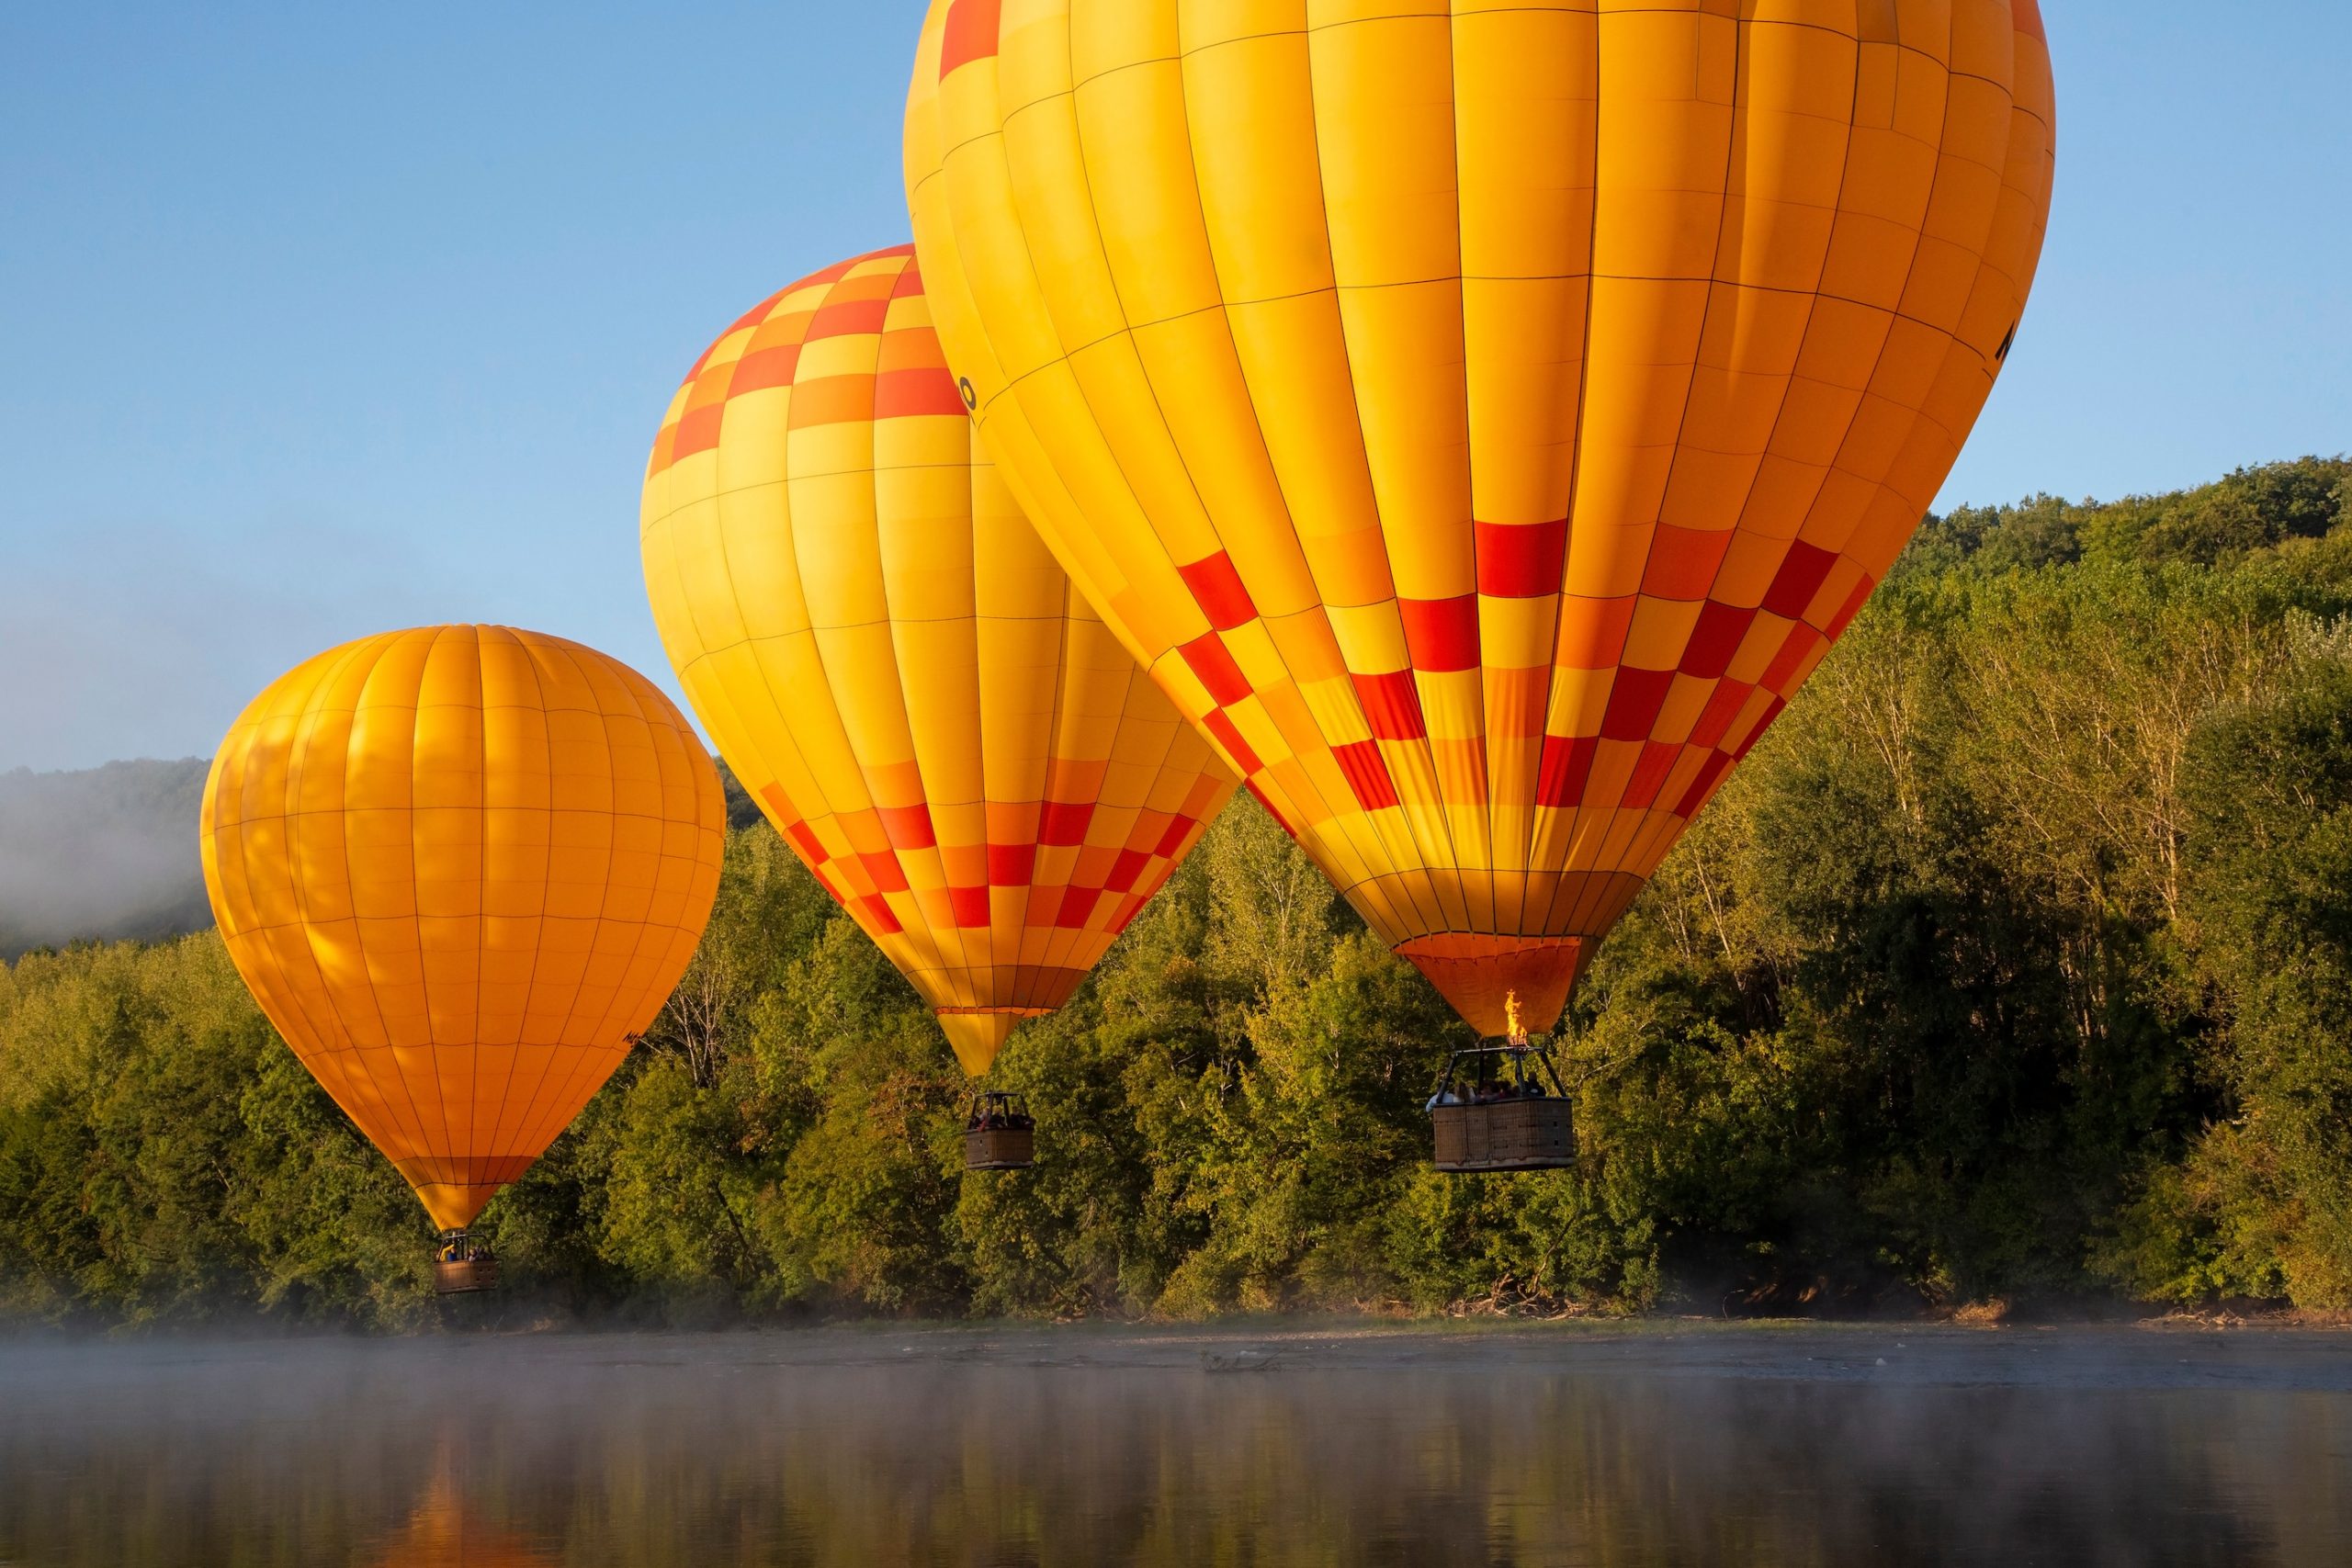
<point x="1480" y="418"/>
<point x="894" y="668"/>
<point x="462" y="869"/>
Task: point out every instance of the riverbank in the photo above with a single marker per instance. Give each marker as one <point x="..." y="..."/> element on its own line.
<point x="2155" y="1354"/>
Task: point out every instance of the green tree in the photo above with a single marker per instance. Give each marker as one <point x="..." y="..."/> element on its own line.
<point x="2271" y="788"/>
<point x="2016" y="961"/>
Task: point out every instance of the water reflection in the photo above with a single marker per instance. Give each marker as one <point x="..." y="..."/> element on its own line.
<point x="444" y="1533"/>
<point x="648" y="1453"/>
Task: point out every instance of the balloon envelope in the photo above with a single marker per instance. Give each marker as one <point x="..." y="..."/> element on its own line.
<point x="1480" y="419"/>
<point x="462" y="869"/>
<point x="893" y="665"/>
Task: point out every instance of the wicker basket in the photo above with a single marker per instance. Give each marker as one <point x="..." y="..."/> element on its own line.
<point x="465" y="1276"/>
<point x="999" y="1148"/>
<point x="1506" y="1134"/>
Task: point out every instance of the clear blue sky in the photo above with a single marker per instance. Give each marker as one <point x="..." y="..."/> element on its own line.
<point x="317" y="319"/>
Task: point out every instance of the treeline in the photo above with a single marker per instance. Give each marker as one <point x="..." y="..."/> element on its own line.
<point x="2015" y="964"/>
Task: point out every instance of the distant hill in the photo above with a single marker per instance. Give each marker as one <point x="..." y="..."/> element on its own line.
<point x="104" y="853"/>
<point x="110" y="852"/>
<point x="743" y="811"/>
<point x="2230" y="520"/>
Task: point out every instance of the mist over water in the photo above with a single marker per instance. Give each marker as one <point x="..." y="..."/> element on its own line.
<point x="1089" y="1448"/>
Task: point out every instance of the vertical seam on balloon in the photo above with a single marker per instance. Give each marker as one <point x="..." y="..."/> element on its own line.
<point x="1095" y="937"/>
<point x="375" y="650"/>
<point x="832" y="809"/>
<point x="1410" y="876"/>
<point x="303" y="739"/>
<point x="1488" y="804"/>
<point x="706" y="648"/>
<point x="979" y="699"/>
<point x="1877" y="362"/>
<point x="1047" y="932"/>
<point x="451" y="1152"/>
<point x="1878" y="486"/>
<point x="544" y="655"/>
<point x="527" y="658"/>
<point x="896" y="684"/>
<point x="1564" y="823"/>
<point x="1619" y="859"/>
<point x="1429" y="868"/>
<point x="1128" y="324"/>
<point x="417" y="912"/>
<point x="978" y="688"/>
<point x="1053" y="945"/>
<point x="1054" y="749"/>
<point x="1812" y="308"/>
<point x="746" y="725"/>
<point x="1127" y="328"/>
<point x="482" y="895"/>
<point x="534" y="1111"/>
<point x="1741" y="102"/>
<point x="816" y="653"/>
<point x="416" y="1115"/>
<point x="707" y="645"/>
<point x="1091" y="939"/>
<point x="238" y="746"/>
<point x="1144" y="883"/>
<point x="235" y="761"/>
<point x="1341" y="819"/>
<point x="304" y="736"/>
<point x="1442" y="806"/>
<point x="981" y="978"/>
<point x="748" y="733"/>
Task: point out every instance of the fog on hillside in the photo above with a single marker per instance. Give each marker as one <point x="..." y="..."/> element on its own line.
<point x="107" y="853"/>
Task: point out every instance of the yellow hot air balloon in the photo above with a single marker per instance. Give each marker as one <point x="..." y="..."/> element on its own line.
<point x="894" y="666"/>
<point x="462" y="868"/>
<point x="1481" y="418"/>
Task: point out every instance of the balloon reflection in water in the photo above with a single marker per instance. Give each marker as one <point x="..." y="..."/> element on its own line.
<point x="443" y="1533"/>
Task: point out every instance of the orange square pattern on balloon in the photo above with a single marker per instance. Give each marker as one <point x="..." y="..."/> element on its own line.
<point x="994" y="809"/>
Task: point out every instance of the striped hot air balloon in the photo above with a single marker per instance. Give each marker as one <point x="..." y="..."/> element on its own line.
<point x="893" y="665"/>
<point x="462" y="868"/>
<point x="1480" y="418"/>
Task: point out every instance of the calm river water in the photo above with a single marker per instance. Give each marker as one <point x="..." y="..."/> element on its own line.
<point x="1085" y="1446"/>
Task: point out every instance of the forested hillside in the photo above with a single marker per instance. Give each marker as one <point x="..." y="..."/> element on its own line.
<point x="104" y="853"/>
<point x="2014" y="965"/>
